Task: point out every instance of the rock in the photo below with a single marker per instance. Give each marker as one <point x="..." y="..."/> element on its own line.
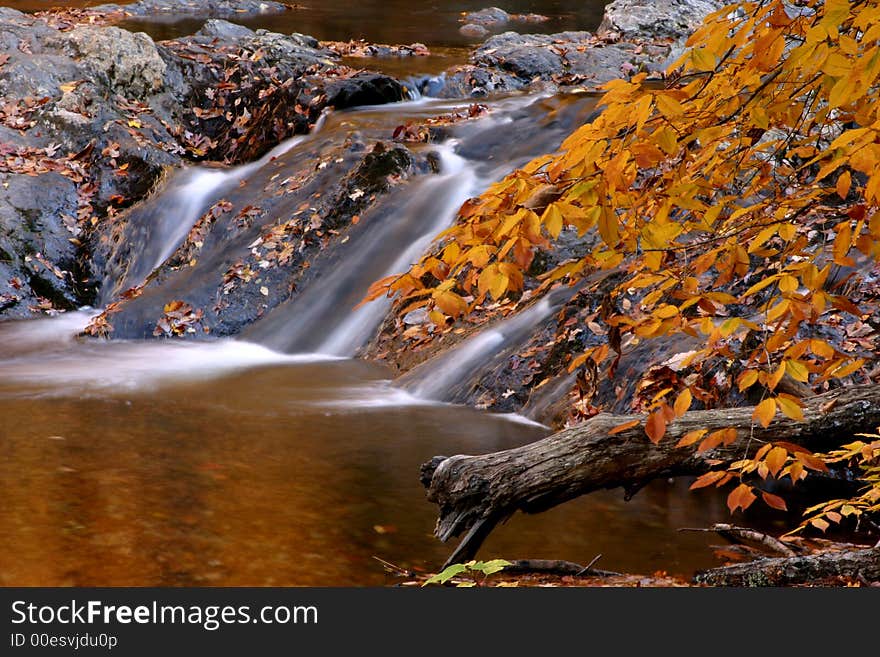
<point x="656" y="19"/>
<point x="263" y="247"/>
<point x="129" y="64"/>
<point x="364" y="88"/>
<point x="201" y="8"/>
<point x="108" y="112"/>
<point x="220" y="29"/>
<point x="490" y="17"/>
<point x="473" y="30"/>
<point x="37" y="259"/>
<point x="510" y="61"/>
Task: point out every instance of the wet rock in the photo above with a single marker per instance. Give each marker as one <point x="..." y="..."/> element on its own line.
<point x="511" y="61"/>
<point x="182" y="8"/>
<point x="38" y="262"/>
<point x="247" y="257"/>
<point x="656" y="19"/>
<point x="492" y="16"/>
<point x="112" y="111"/>
<point x="365" y="88"/>
<point x="473" y="30"/>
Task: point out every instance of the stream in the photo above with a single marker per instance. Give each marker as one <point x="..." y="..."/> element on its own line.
<point x="279" y="457"/>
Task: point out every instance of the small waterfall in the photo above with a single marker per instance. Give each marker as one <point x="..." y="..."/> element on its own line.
<point x="442" y="376"/>
<point x="322" y="319"/>
<point x="456" y="183"/>
<point x="167" y="219"/>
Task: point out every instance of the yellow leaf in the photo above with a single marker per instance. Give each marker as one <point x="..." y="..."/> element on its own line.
<point x="609" y="228"/>
<point x="450" y="303"/>
<point x="765" y="411"/>
<point x="788" y="284"/>
<point x="747" y="379"/>
<point x="797" y="370"/>
<point x="702" y="59"/>
<point x="552" y="220"/>
<point x="842" y="244"/>
<point x="683" y="402"/>
<point x="790" y="406"/>
<point x="668" y="106"/>
<point x="776" y="377"/>
<point x="493" y="281"/>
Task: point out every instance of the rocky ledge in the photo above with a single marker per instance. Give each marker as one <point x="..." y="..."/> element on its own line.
<point x="93" y="115"/>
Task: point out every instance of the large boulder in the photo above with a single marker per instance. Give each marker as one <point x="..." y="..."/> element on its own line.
<point x="126" y="63"/>
<point x="656" y="19"/>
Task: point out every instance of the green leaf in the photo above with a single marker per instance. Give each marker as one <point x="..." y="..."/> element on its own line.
<point x="489" y="567"/>
<point x="447" y="574"/>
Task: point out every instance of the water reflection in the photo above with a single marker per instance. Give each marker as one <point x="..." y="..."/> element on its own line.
<point x="282" y="474"/>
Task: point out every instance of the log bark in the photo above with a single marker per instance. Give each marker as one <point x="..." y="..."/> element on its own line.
<point x="858" y="565"/>
<point x="475" y="493"/>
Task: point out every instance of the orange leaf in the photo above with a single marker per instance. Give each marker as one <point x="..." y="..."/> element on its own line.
<point x="655" y="427"/>
<point x="820" y="524"/>
<point x="623" y="427"/>
<point x="844" y="181"/>
<point x="708" y="479"/>
<point x="764" y="412"/>
<point x="691" y="437"/>
<point x="774" y="501"/>
<point x="683" y="402"/>
<point x="740" y="497"/>
<point x="712" y="440"/>
<point x="776" y="459"/>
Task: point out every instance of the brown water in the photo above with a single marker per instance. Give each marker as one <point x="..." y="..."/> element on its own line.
<point x="435" y="24"/>
<point x="225" y="463"/>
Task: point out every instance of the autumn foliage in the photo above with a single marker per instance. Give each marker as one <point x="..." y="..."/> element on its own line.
<point x="740" y="199"/>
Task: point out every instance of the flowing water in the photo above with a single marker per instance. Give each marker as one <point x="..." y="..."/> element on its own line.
<point x="277" y="459"/>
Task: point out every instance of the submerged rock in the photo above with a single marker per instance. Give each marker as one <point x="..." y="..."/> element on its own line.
<point x="473" y="30"/>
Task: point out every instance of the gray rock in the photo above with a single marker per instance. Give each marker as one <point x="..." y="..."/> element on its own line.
<point x="220" y="29"/>
<point x="202" y="8"/>
<point x="127" y="62"/>
<point x="654" y="19"/>
<point x="37" y="258"/>
<point x="490" y="17"/>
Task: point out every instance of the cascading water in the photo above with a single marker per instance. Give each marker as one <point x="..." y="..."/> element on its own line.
<point x="323" y="318"/>
<point x="168" y="217"/>
<point x="440" y="377"/>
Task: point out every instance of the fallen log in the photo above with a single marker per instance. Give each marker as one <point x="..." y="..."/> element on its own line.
<point x="857" y="565"/>
<point x="475" y="493"/>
